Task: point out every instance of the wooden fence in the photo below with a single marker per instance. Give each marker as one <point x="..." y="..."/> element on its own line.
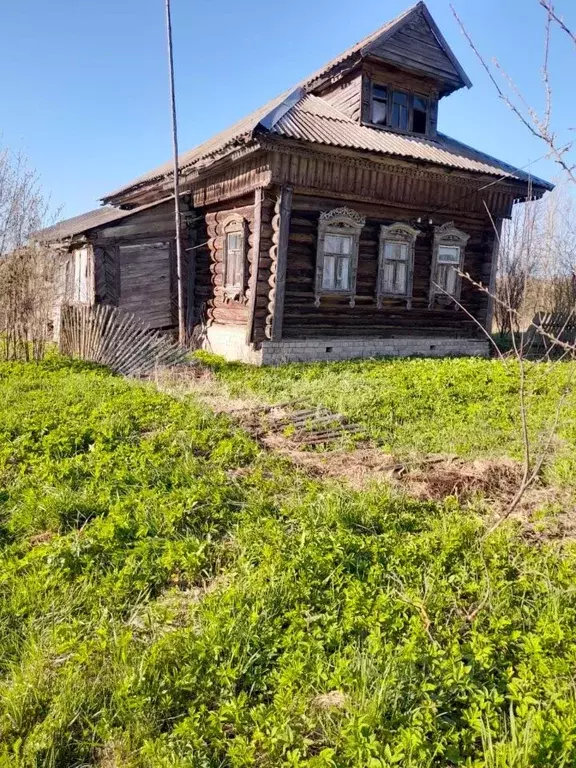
<point x="559" y="325"/>
<point x="106" y="335"/>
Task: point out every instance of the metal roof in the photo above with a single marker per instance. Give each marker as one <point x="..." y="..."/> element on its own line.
<point x="242" y="131"/>
<point x="314" y="120"/>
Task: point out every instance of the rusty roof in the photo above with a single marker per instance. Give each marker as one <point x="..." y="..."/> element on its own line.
<point x="243" y="131"/>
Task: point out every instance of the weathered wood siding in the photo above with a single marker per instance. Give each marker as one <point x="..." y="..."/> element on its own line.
<point x="135" y="265"/>
<point x="334" y="316"/>
<point x="346" y="95"/>
<point x="145" y="282"/>
<point x="415" y="46"/>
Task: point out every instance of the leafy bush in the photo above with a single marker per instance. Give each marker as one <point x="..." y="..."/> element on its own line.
<point x="170" y="596"/>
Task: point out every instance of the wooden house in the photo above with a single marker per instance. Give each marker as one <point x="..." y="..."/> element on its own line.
<point x="331" y="223"/>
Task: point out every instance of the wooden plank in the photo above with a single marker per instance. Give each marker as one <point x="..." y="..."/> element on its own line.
<point x="282" y="261"/>
<point x="255" y="265"/>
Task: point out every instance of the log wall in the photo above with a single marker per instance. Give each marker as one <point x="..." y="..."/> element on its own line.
<point x="211" y="304"/>
<point x="334" y="316"/>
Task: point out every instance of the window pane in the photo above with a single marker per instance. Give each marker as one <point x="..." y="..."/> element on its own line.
<point x="379" y="112"/>
<point x="388" y="277"/>
<point x="420" y="103"/>
<point x="328" y="275"/>
<point x="342" y="274"/>
<point x="380" y="92"/>
<point x="337" y="244"/>
<point x="400" y="278"/>
<point x="400" y="117"/>
<point x="451" y="278"/>
<point x="400" y="98"/>
<point x="235" y="240"/>
<point x="420" y="114"/>
<point x="396" y="251"/>
<point x="449" y="254"/>
<point x="234" y="258"/>
<point x="447" y="278"/>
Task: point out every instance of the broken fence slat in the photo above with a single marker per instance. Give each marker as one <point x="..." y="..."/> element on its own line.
<point x="119" y="340"/>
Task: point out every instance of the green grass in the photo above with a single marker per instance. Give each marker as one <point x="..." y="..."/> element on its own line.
<point x="171" y="596"/>
<point x="469" y="407"/>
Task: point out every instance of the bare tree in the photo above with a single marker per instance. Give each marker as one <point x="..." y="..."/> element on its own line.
<point x="27" y="269"/>
<point x="536" y="250"/>
<point x="558" y="139"/>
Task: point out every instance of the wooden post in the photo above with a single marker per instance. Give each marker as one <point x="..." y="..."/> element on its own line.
<point x="177" y="217"/>
<point x="257" y="227"/>
<point x="281" y="262"/>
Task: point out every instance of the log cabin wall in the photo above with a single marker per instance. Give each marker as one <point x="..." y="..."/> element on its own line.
<point x="211" y="303"/>
<point x="135" y="264"/>
<point x="335" y="317"/>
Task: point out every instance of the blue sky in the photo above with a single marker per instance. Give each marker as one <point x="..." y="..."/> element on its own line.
<point x="84" y="86"/>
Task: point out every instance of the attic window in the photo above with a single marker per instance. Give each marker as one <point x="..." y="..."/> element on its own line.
<point x="379" y="104"/>
<point x="399" y="110"/>
<point x="419" y="114"/>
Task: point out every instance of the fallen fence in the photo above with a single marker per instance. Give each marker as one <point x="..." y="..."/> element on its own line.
<point x="121" y="341"/>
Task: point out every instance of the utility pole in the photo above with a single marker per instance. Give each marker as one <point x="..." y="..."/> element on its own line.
<point x="177" y="216"/>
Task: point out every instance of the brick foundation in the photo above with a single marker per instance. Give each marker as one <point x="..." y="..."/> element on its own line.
<point x="230" y="342"/>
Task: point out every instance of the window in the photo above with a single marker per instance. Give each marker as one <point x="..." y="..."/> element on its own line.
<point x="447" y="261"/>
<point x="396" y="262"/>
<point x="337" y="254"/>
<point x="234" y="257"/>
<point x="80" y="284"/>
<point x="420" y="114"/>
<point x="400" y="109"/>
<point x="379" y="104"/>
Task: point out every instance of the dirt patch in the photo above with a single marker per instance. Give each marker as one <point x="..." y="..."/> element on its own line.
<point x="429" y="478"/>
<point x="330" y="700"/>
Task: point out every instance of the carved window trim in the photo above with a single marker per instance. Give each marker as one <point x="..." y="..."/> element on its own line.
<point x="338" y="221"/>
<point x="234" y="225"/>
<point x="406" y="235"/>
<point x="448" y="235"/>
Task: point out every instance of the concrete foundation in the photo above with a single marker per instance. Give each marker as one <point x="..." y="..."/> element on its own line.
<point x="230" y="342"/>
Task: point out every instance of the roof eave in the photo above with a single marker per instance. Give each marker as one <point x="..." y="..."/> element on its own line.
<point x="537" y="185"/>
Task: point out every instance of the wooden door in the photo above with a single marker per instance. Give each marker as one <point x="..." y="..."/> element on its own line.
<point x="145" y="282"/>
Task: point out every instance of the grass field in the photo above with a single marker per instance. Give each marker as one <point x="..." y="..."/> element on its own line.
<point x="170" y="595"/>
<point x="468" y="407"/>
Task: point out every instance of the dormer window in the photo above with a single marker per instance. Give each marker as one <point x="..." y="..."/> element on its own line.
<point x="379" y="104"/>
<point x="420" y="114"/>
<point x="399" y="110"/>
<point x="400" y="117"/>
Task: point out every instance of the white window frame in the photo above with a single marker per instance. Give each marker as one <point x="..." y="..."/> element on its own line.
<point x="234" y="225"/>
<point x="339" y="221"/>
<point x="81" y="276"/>
<point x="447" y="235"/>
<point x="406" y="235"/>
